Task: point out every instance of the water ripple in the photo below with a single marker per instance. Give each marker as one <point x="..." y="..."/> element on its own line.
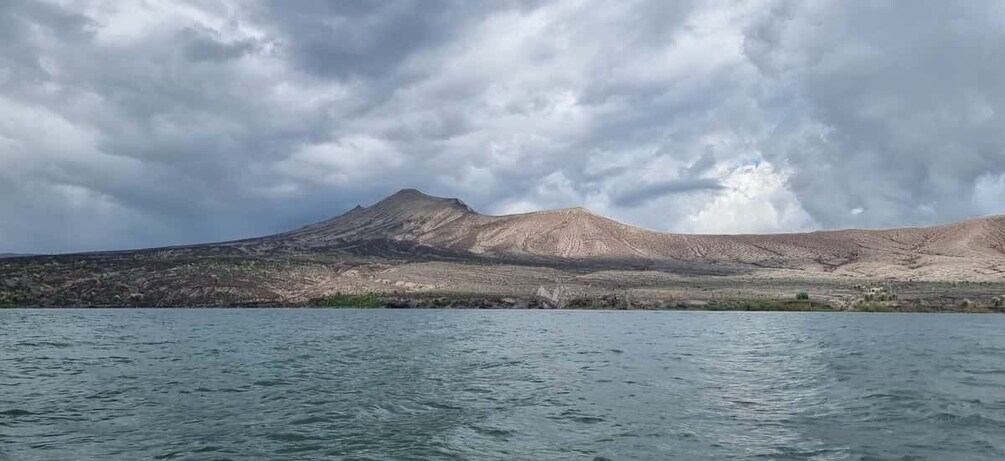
<point x="309" y="384"/>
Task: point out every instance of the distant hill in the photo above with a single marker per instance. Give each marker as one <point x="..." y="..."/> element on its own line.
<point x="422" y="223"/>
<point x="415" y="250"/>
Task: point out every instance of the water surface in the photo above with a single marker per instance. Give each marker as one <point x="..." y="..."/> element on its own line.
<point x="436" y="384"/>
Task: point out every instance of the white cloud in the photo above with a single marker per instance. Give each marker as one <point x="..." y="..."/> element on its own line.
<point x="756" y="200"/>
<point x="989" y="194"/>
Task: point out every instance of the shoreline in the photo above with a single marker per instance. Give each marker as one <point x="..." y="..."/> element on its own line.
<point x="339" y="281"/>
<point x="441" y="302"/>
<point x="979" y="311"/>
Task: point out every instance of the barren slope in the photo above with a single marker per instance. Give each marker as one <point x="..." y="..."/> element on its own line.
<point x="972" y="249"/>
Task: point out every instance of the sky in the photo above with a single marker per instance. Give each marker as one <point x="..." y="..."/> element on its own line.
<point x="127" y="124"/>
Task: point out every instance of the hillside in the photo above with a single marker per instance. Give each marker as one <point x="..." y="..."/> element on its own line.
<point x="973" y="248"/>
<point x="418" y="250"/>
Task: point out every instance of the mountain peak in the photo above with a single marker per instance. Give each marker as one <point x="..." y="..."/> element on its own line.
<point x="408" y="192"/>
<point x="415" y="199"/>
<point x="572" y="211"/>
<point x="578" y="210"/>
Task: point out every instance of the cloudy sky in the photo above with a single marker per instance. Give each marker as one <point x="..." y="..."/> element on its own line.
<point x="152" y="122"/>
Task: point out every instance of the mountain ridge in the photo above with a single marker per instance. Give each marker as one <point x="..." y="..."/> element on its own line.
<point x="419" y="250"/>
<point x="409" y="193"/>
<point x="410" y="221"/>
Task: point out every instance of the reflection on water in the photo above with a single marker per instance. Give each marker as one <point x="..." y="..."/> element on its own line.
<point x="378" y="384"/>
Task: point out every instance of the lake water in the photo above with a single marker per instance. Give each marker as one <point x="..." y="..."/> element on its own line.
<point x="439" y="384"/>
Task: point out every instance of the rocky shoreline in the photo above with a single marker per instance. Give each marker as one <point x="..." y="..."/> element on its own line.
<point x="602" y="302"/>
<point x="222" y="277"/>
<point x="616" y="302"/>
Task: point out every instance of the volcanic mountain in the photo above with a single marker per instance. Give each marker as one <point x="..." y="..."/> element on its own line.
<point x="414" y="250"/>
<point x="412" y="223"/>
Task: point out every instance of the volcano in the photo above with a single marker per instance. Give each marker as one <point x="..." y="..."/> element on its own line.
<point x="417" y="250"/>
<point x="410" y="222"/>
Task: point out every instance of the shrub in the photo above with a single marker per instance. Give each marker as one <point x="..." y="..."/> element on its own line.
<point x="8" y="301"/>
<point x="872" y="307"/>
<point x="759" y="305"/>
<point x="878" y="294"/>
<point x="368" y="300"/>
<point x="803" y="296"/>
<point x="998" y="301"/>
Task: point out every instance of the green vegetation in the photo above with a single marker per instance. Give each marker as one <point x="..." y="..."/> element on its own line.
<point x="876" y="299"/>
<point x="8" y="301"/>
<point x="998" y="301"/>
<point x="368" y="300"/>
<point x="767" y="305"/>
<point x="759" y="305"/>
<point x="867" y="306"/>
<point x="878" y="294"/>
<point x="803" y="296"/>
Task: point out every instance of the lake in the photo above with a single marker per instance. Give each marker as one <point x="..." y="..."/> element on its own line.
<point x="466" y="384"/>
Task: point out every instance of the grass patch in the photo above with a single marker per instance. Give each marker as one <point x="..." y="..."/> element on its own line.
<point x="763" y="305"/>
<point x="759" y="305"/>
<point x="802" y="296"/>
<point x="9" y="302"/>
<point x="368" y="301"/>
<point x="867" y="306"/>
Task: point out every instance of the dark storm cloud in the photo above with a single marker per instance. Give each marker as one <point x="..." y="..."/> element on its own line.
<point x="126" y="124"/>
<point x="131" y="143"/>
<point x="896" y="109"/>
<point x="365" y="39"/>
<point x="203" y="45"/>
<point x="689" y="180"/>
<point x="636" y="197"/>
